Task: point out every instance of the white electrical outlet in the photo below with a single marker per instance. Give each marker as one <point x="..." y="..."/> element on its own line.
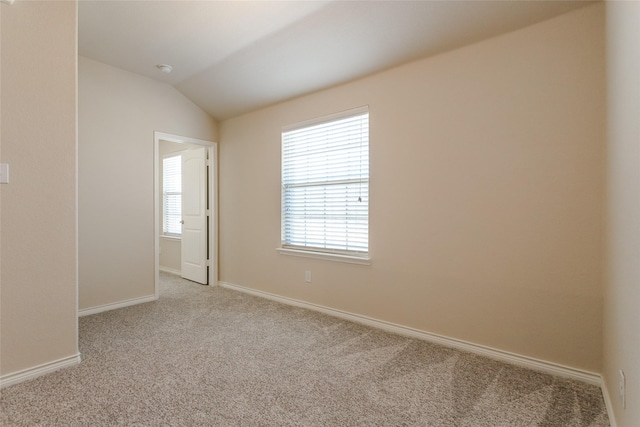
<point x="307" y="276"/>
<point x="621" y="386"/>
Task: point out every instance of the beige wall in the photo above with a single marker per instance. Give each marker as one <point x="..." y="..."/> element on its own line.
<point x="622" y="289"/>
<point x="170" y="254"/>
<point x="486" y="194"/>
<point x="38" y="278"/>
<point x="118" y="113"/>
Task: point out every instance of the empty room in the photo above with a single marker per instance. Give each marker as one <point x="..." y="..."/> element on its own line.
<point x="316" y="213"/>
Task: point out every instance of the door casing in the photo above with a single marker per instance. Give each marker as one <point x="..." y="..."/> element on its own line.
<point x="212" y="148"/>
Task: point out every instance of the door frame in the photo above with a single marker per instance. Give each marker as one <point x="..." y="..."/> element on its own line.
<point x="212" y="149"/>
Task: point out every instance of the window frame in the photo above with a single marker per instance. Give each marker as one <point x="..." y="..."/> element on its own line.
<point x="342" y="255"/>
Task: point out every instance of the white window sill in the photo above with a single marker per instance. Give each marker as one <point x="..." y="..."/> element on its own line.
<point x="350" y="259"/>
<point x="164" y="236"/>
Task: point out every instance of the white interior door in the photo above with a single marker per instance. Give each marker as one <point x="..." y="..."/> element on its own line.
<point x="194" y="215"/>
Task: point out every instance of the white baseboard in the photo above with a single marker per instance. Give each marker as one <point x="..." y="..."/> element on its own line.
<point x="31" y="373"/>
<point x="170" y="270"/>
<point x="116" y="305"/>
<point x="504" y="356"/>
<point x="608" y="404"/>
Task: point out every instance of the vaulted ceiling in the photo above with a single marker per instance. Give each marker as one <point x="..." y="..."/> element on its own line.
<point x="231" y="57"/>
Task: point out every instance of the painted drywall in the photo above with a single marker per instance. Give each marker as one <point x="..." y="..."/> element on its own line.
<point x="486" y="197"/>
<point x="39" y="262"/>
<point x="622" y="285"/>
<point x="118" y="114"/>
<point x="170" y="254"/>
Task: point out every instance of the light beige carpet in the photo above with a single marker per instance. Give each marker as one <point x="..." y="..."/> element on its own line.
<point x="204" y="356"/>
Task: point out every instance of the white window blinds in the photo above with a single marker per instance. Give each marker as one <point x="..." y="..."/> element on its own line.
<point x="325" y="184"/>
<point x="172" y="195"/>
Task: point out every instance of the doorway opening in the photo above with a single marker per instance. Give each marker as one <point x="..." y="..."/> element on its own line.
<point x="194" y="241"/>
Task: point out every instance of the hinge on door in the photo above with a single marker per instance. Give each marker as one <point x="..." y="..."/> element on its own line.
<point x="207" y="263"/>
<point x="208" y="162"/>
<point x="208" y="212"/>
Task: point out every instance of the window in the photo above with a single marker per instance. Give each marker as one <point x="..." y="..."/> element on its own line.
<point x="172" y="195"/>
<point x="325" y="184"/>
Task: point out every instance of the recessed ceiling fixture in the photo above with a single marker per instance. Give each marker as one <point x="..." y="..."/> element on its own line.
<point x="165" y="68"/>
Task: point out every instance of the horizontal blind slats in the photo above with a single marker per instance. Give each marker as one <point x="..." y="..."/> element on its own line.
<point x="172" y="195"/>
<point x="325" y="179"/>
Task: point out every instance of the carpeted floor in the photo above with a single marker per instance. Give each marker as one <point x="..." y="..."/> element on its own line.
<point x="210" y="356"/>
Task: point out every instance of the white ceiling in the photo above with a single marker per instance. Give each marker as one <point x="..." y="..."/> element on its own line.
<point x="231" y="57"/>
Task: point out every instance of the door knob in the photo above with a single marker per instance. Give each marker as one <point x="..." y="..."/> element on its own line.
<point x="182" y="221"/>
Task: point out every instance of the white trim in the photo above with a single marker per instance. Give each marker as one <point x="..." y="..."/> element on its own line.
<point x="329" y="256"/>
<point x="504" y="356"/>
<point x="76" y="195"/>
<point x="608" y="404"/>
<point x="37" y="371"/>
<point x="116" y="305"/>
<point x="170" y="270"/>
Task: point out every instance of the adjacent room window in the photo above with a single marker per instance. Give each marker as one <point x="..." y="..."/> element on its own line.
<point x="172" y="195"/>
<point x="325" y="184"/>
